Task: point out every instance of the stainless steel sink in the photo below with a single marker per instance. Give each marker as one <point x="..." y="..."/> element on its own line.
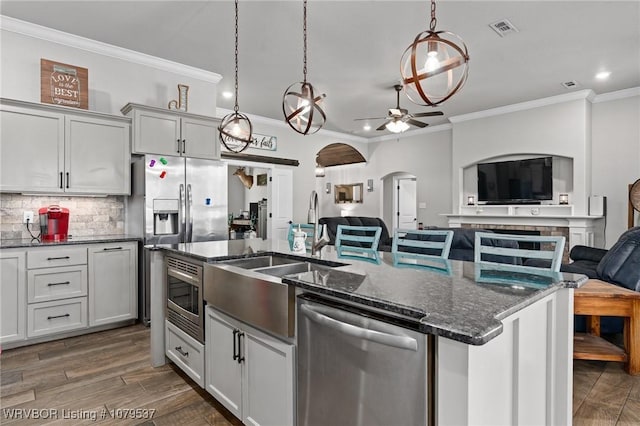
<point x="251" y="289"/>
<point x="292" y="268"/>
<point x="260" y="261"/>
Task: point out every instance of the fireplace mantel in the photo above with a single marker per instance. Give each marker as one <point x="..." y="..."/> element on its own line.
<point x="582" y="230"/>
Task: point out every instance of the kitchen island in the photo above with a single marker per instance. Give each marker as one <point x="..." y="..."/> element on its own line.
<point x="502" y="348"/>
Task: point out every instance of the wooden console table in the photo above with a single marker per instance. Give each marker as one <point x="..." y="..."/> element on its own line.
<point x="598" y="298"/>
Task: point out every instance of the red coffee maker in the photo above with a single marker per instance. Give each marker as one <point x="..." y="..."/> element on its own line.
<point x="54" y="223"/>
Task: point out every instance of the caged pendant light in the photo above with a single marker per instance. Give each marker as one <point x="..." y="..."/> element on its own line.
<point x="301" y="102"/>
<point x="435" y="66"/>
<point x="236" y="128"/>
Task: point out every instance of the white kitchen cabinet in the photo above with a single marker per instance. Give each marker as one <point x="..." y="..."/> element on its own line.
<point x="164" y="132"/>
<point x="13" y="303"/>
<point x="56" y="290"/>
<point x="250" y="372"/>
<point x="52" y="149"/>
<point x="113" y="279"/>
<point x="185" y="351"/>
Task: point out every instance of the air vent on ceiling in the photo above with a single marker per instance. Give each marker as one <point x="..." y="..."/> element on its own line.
<point x="503" y="27"/>
<point x="571" y="84"/>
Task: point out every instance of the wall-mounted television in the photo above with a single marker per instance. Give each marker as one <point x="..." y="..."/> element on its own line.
<point x="516" y="182"/>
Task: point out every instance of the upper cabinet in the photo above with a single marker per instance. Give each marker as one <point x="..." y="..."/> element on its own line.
<point x="165" y="132"/>
<point x="50" y="149"/>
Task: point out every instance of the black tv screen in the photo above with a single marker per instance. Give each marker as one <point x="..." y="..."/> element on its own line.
<point x="517" y="181"/>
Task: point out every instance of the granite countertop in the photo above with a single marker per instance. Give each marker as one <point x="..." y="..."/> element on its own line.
<point x="90" y="239"/>
<point x="458" y="300"/>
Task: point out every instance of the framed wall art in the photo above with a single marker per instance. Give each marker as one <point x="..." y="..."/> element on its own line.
<point x="64" y="84"/>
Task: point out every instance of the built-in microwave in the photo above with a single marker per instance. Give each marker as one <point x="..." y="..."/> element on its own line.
<point x="184" y="296"/>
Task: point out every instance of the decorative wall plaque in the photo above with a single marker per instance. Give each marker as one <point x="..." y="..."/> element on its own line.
<point x="181" y="103"/>
<point x="64" y="84"/>
<point x="269" y="143"/>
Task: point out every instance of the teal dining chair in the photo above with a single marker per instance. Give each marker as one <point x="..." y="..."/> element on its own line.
<point x="358" y="242"/>
<point x="550" y="253"/>
<point x="413" y="247"/>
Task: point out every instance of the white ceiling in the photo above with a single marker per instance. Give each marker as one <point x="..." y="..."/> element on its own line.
<point x="355" y="47"/>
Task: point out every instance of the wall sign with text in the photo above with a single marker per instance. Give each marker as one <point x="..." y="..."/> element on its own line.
<point x="263" y="142"/>
<point x="64" y="84"/>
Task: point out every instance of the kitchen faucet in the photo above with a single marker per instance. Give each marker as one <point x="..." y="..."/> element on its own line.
<point x="313" y="217"/>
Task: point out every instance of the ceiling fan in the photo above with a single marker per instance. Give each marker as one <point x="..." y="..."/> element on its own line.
<point x="399" y="119"/>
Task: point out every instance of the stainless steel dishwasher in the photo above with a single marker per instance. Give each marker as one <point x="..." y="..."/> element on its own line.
<point x="356" y="369"/>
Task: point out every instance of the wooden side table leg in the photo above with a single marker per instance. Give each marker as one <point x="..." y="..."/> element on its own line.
<point x="632" y="339"/>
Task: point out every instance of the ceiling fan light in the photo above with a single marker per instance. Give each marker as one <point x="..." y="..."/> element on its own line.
<point x="397" y="126"/>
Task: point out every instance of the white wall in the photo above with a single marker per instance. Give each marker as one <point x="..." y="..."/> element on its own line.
<point x="113" y="82"/>
<point x="560" y="129"/>
<point x="616" y="157"/>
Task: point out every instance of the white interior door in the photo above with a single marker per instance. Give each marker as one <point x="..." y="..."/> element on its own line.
<point x="407" y="217"/>
<point x="280" y="205"/>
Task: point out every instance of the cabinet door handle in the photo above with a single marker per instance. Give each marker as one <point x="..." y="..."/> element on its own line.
<point x="240" y="357"/>
<point x="178" y="151"/>
<point x="67" y="179"/>
<point x="235" y="347"/>
<point x="58" y="258"/>
<point x="184" y="145"/>
<point x="112" y="248"/>
<point x="60" y="283"/>
<point x="181" y="352"/>
<point x="58" y="316"/>
<point x="61" y="180"/>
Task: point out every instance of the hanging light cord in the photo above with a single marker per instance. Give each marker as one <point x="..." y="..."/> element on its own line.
<point x="304" y="39"/>
<point x="432" y="24"/>
<point x="235" y="108"/>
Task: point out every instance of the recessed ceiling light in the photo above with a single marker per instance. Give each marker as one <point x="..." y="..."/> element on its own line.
<point x="366" y="127"/>
<point x="603" y="75"/>
<point x="227" y="95"/>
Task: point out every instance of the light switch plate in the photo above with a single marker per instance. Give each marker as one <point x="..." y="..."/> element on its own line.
<point x="422" y="205"/>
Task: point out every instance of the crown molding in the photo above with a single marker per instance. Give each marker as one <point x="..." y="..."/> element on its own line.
<point x="93" y="46"/>
<point x="619" y="94"/>
<point x="221" y="112"/>
<point x="587" y="94"/>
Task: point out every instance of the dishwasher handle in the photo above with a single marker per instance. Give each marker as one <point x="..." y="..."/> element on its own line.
<point x="402" y="342"/>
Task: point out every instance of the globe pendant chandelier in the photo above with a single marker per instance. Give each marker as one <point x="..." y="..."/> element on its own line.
<point x="236" y="128"/>
<point x="435" y="66"/>
<point x="301" y="104"/>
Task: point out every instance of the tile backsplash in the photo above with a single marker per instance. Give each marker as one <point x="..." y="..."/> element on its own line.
<point x="87" y="215"/>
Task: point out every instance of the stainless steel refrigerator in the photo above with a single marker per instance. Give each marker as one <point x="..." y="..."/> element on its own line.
<point x="175" y="200"/>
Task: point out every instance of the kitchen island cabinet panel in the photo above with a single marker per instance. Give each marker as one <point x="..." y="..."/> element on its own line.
<point x="113" y="278"/>
<point x="13" y="302"/>
<point x="248" y="371"/>
<point x="186" y="352"/>
<point x="31" y="150"/>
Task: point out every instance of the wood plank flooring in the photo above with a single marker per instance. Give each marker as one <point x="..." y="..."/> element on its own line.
<point x="84" y="376"/>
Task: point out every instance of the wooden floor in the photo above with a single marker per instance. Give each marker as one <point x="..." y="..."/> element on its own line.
<point x="108" y="372"/>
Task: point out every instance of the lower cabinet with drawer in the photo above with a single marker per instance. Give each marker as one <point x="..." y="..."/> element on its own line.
<point x="56" y="316"/>
<point x="62" y="290"/>
<point x="185" y="351"/>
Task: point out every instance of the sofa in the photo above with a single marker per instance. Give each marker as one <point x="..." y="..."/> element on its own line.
<point x="462" y="245"/>
<point x="620" y="265"/>
<point x="333" y="222"/>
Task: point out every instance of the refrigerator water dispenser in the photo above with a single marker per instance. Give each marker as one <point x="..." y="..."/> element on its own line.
<point x="165" y="217"/>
